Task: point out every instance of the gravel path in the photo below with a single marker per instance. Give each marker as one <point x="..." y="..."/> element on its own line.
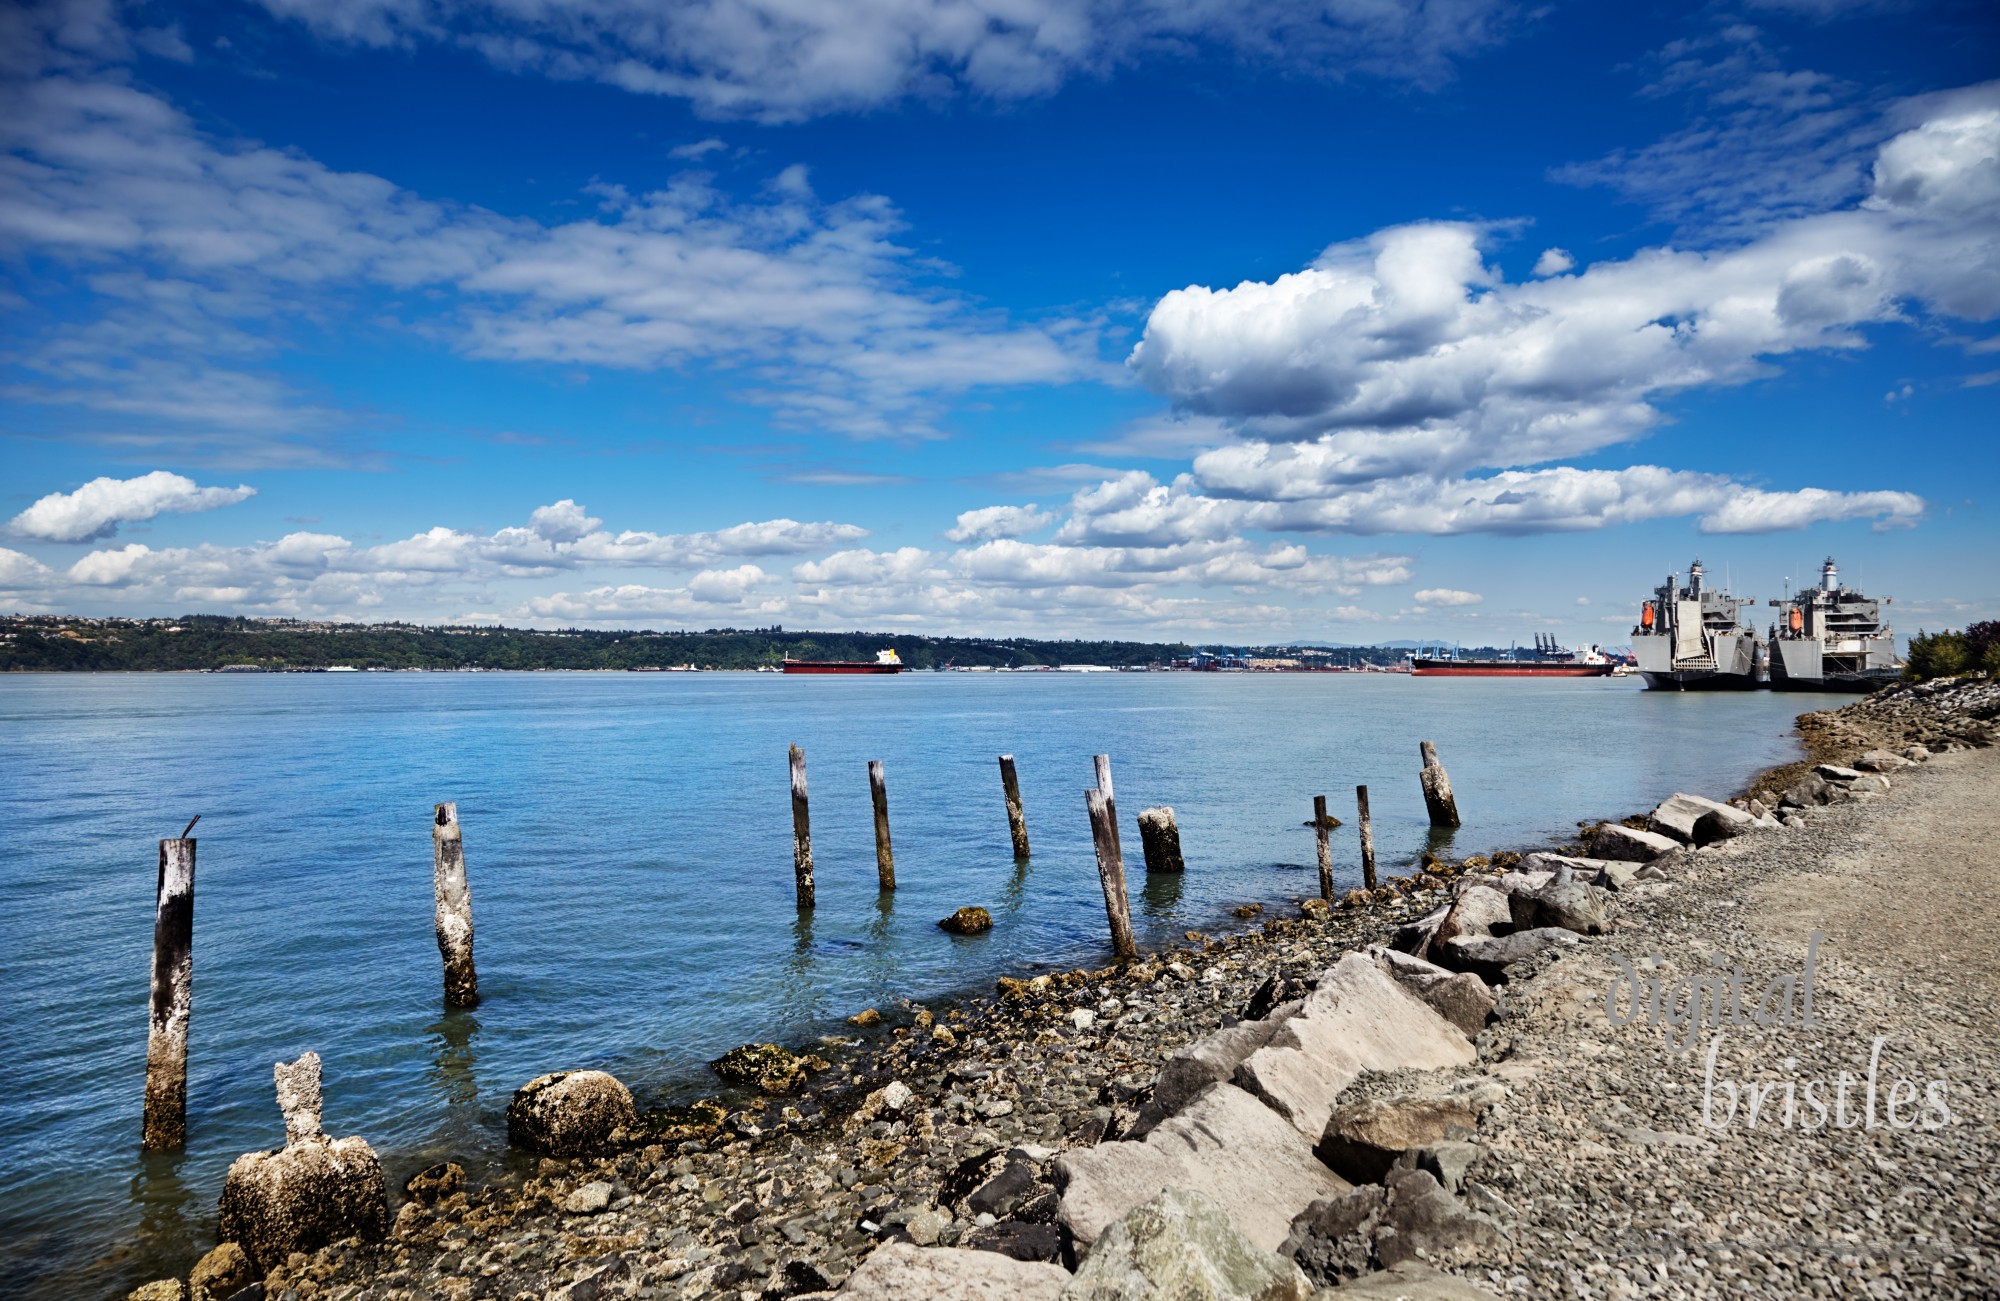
<point x="1614" y="1184"/>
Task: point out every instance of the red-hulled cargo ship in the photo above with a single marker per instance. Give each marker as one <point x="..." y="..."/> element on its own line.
<point x="1547" y="660"/>
<point x="884" y="662"/>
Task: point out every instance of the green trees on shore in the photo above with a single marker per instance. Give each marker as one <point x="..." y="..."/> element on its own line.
<point x="1948" y="654"/>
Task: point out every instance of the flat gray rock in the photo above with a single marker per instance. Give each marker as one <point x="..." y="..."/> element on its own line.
<point x="899" y="1271"/>
<point x="1225" y="1145"/>
<point x="1678" y="813"/>
<point x="1631" y="845"/>
<point x="1359" y="1019"/>
<point x="1489" y="958"/>
<point x="1208" y="1061"/>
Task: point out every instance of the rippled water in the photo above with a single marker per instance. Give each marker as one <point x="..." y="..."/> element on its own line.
<point x="628" y="842"/>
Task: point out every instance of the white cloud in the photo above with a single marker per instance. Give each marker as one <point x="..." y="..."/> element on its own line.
<point x="96" y="509"/>
<point x="1554" y="261"/>
<point x="1447" y="596"/>
<point x="1766" y="143"/>
<point x="998" y="522"/>
<point x="202" y="248"/>
<point x="1583" y="600"/>
<point x="1399" y="383"/>
<point x="564" y="521"/>
<point x="776" y="61"/>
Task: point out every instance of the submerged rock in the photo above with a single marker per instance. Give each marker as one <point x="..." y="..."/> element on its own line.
<point x="968" y="921"/>
<point x="569" y="1113"/>
<point x="766" y="1067"/>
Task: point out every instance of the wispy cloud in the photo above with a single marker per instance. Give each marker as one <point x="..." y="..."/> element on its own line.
<point x="773" y="61"/>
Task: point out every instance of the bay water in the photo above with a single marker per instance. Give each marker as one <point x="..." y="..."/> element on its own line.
<point x="628" y="842"/>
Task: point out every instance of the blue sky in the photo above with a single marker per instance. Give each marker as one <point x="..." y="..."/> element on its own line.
<point x="1340" y="321"/>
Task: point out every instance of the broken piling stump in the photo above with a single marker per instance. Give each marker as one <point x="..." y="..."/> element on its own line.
<point x="1367" y="837"/>
<point x="1437" y="790"/>
<point x="802" y="843"/>
<point x="454" y="907"/>
<point x="165" y="1124"/>
<point x="1325" y="846"/>
<point x="1111" y="870"/>
<point x="1017" y="819"/>
<point x="1160" y="839"/>
<point x="878" y="792"/>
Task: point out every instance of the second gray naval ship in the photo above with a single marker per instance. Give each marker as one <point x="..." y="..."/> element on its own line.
<point x="1832" y="638"/>
<point x="1691" y="638"/>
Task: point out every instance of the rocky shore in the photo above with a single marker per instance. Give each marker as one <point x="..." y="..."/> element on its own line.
<point x="1497" y="1076"/>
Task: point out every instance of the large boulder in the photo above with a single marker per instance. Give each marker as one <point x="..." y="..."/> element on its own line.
<point x="1180" y="1244"/>
<point x="1678" y="814"/>
<point x="1489" y="959"/>
<point x="1564" y="903"/>
<point x="569" y="1113"/>
<point x="1364" y="1140"/>
<point x="1225" y="1145"/>
<point x="1807" y="792"/>
<point x="313" y="1191"/>
<point x="1359" y="1019"/>
<point x="1208" y="1061"/>
<point x="1458" y="996"/>
<point x="1629" y="844"/>
<point x="1410" y="1217"/>
<point x="898" y="1271"/>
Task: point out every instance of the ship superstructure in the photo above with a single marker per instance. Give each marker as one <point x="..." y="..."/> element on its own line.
<point x="1831" y="638"/>
<point x="1691" y="637"/>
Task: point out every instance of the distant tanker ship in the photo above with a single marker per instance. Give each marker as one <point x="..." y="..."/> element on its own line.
<point x="1547" y="660"/>
<point x="884" y="662"/>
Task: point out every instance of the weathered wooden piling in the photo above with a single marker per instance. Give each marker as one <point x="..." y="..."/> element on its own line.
<point x="1437" y="790"/>
<point x="1103" y="762"/>
<point x="802" y="840"/>
<point x="1017" y="820"/>
<point x="1321" y="830"/>
<point x="1111" y="870"/>
<point x="1367" y="837"/>
<point x="1160" y="838"/>
<point x="885" y="858"/>
<point x="173" y="986"/>
<point x="454" y="908"/>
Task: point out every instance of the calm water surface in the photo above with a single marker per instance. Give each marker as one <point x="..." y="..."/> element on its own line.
<point x="629" y="846"/>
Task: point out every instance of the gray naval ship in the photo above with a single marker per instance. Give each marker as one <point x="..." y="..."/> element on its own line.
<point x="1832" y="638"/>
<point x="1690" y="638"/>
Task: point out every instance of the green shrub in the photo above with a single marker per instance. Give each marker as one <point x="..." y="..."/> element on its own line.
<point x="1937" y="655"/>
<point x="1982" y="646"/>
